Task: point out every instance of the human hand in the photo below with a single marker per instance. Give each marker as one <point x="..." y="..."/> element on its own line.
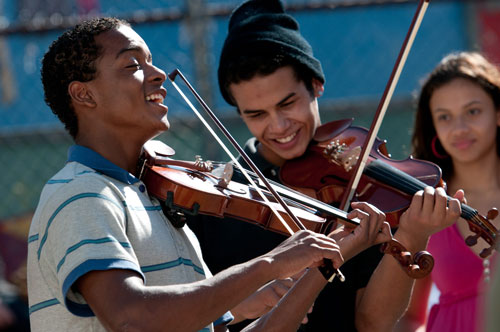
<point x="372" y="229"/>
<point x="302" y="250"/>
<point x="429" y="212"/>
<point x="264" y="299"/>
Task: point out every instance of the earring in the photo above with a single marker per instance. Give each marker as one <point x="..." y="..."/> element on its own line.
<point x="435" y="151"/>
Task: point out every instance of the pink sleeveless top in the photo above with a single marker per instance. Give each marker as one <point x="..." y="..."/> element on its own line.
<point x="459" y="275"/>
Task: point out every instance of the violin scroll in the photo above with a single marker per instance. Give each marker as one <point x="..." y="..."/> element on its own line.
<point x="418" y="266"/>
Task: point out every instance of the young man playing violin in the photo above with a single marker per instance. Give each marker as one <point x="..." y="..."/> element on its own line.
<point x="268" y="72"/>
<point x="102" y="256"/>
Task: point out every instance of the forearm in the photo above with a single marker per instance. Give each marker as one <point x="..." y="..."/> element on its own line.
<point x="121" y="300"/>
<point x="214" y="296"/>
<point x="388" y="292"/>
<point x="124" y="303"/>
<point x="406" y="324"/>
<point x="288" y="314"/>
<point x="415" y="318"/>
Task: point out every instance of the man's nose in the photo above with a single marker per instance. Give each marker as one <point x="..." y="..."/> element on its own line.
<point x="278" y="122"/>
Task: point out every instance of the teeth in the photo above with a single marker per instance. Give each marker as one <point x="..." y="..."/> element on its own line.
<point x="286" y="139"/>
<point x="156" y="97"/>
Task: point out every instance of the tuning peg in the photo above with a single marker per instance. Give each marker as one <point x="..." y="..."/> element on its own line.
<point x="492" y="214"/>
<point x="485" y="252"/>
<point x="471" y="240"/>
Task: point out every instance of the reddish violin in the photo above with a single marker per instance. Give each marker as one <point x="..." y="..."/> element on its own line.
<point x="186" y="187"/>
<point x="323" y="171"/>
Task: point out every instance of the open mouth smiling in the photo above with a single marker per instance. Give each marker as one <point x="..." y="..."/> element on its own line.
<point x="155" y="98"/>
<point x="286" y="139"/>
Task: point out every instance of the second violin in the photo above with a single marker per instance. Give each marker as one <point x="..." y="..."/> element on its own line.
<point x="389" y="184"/>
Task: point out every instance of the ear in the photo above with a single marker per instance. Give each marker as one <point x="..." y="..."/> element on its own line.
<point x="80" y="94"/>
<point x="318" y="87"/>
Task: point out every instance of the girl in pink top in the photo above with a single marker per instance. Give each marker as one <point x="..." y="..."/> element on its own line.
<point x="456" y="127"/>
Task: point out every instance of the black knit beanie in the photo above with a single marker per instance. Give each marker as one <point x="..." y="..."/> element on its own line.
<point x="260" y="28"/>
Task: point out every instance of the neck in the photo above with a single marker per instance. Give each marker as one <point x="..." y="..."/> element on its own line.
<point x="270" y="156"/>
<point x="121" y="153"/>
<point x="481" y="175"/>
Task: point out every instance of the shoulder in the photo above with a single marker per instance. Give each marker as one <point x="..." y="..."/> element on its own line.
<point x="76" y="190"/>
<point x="76" y="180"/>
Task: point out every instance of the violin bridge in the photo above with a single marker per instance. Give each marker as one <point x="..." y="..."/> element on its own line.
<point x="337" y="153"/>
<point x="226" y="176"/>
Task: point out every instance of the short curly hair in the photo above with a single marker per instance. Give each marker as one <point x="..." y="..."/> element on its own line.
<point x="72" y="57"/>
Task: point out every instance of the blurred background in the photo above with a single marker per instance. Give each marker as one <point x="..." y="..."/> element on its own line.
<point x="357" y="42"/>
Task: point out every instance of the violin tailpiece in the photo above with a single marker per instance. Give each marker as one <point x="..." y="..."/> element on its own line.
<point x="336" y="153"/>
<point x="202" y="165"/>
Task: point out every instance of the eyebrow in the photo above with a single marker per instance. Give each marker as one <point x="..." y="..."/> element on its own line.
<point x="472" y="102"/>
<point x="280" y="103"/>
<point x="131" y="49"/>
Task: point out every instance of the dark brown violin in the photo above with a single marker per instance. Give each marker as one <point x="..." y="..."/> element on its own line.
<point x="323" y="171"/>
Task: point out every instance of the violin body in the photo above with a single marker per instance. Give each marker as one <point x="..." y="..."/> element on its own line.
<point x="191" y="191"/>
<point x="326" y="167"/>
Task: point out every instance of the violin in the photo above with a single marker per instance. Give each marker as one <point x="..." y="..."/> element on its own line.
<point x="189" y="188"/>
<point x="324" y="169"/>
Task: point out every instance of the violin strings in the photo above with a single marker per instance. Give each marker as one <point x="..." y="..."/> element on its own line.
<point x="410" y="185"/>
<point x="406" y="183"/>
<point x="304" y="199"/>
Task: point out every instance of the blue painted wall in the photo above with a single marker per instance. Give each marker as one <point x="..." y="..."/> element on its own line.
<point x="357" y="47"/>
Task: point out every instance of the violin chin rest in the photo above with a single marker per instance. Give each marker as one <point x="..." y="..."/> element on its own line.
<point x="331" y="129"/>
<point x="158" y="148"/>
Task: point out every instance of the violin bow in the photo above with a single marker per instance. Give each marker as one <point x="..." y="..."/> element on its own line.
<point x="328" y="271"/>
<point x="384" y="103"/>
<point x="422" y="262"/>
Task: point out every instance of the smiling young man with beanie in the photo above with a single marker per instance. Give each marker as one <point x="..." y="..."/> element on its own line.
<point x="268" y="71"/>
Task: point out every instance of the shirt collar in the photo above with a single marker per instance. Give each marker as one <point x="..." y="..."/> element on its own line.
<point x="94" y="160"/>
<point x="259" y="161"/>
<point x="269" y="170"/>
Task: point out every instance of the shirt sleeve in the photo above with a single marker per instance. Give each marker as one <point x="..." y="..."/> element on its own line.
<point x="224" y="319"/>
<point x="83" y="230"/>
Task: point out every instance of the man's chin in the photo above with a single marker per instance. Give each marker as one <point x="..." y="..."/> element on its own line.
<point x="166" y="124"/>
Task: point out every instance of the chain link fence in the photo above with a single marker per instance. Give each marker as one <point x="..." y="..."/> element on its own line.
<point x="356" y="41"/>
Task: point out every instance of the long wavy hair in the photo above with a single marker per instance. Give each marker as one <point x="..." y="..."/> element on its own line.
<point x="468" y="65"/>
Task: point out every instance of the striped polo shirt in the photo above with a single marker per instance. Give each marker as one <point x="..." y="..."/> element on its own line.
<point x="93" y="215"/>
